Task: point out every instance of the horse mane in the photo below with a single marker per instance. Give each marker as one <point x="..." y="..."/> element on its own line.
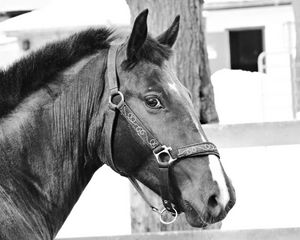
<point x="40" y="68"/>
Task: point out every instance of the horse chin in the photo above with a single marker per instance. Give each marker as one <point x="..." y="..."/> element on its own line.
<point x="195" y="221"/>
<point x="193" y="217"/>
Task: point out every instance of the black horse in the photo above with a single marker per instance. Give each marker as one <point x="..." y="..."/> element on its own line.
<point x="77" y="104"/>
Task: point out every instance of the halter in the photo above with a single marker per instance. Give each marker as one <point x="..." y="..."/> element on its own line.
<point x="165" y="155"/>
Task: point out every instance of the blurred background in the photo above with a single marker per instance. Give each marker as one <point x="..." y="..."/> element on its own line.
<point x="255" y="73"/>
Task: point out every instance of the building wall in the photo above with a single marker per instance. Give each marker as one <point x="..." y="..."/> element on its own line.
<point x="270" y="98"/>
<point x="275" y="21"/>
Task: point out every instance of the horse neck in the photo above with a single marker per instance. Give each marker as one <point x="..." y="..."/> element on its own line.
<point x="69" y="120"/>
<point x="53" y="165"/>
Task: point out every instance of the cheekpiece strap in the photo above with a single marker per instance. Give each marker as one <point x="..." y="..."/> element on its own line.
<point x="111" y="69"/>
<point x="110" y="115"/>
<point x="136" y="124"/>
<point x="165" y="190"/>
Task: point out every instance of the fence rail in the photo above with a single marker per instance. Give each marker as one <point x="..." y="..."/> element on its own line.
<point x="256" y="234"/>
<point x="254" y="134"/>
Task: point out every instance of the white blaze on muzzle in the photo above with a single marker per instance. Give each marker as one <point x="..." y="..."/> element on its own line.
<point x="219" y="178"/>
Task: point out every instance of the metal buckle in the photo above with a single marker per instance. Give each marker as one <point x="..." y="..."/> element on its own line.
<point x="159" y="156"/>
<point x="116" y="105"/>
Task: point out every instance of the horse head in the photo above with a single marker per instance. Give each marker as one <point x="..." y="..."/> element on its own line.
<point x="159" y="125"/>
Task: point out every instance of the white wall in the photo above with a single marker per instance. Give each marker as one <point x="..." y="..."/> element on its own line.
<point x="270" y="97"/>
<point x="243" y="96"/>
<point x="274" y="20"/>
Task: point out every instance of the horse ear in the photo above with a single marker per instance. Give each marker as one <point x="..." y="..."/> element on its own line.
<point x="138" y="35"/>
<point x="170" y="35"/>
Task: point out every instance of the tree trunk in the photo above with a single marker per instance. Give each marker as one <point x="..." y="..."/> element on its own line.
<point x="191" y="64"/>
<point x="296" y="6"/>
<point x="191" y="60"/>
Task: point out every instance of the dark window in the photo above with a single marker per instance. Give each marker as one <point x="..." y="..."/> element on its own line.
<point x="245" y="47"/>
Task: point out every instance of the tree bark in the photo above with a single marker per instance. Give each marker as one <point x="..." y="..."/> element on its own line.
<point x="191" y="59"/>
<point x="191" y="64"/>
<point x="296" y="6"/>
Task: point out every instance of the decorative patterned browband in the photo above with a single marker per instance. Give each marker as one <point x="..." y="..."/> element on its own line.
<point x="198" y="149"/>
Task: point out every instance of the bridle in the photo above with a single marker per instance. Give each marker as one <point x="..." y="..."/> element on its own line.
<point x="165" y="155"/>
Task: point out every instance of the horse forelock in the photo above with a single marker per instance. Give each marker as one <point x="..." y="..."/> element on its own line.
<point x="151" y="51"/>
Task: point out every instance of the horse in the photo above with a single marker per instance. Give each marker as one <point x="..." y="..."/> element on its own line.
<point x="97" y="98"/>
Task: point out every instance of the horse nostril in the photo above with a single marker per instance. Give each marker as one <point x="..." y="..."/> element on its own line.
<point x="213" y="206"/>
<point x="212" y="201"/>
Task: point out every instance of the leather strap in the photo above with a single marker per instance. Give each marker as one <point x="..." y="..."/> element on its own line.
<point x="140" y="129"/>
<point x="152" y="142"/>
<point x="140" y="191"/>
<point x="113" y="88"/>
<point x="199" y="149"/>
<point x="165" y="189"/>
<point x="111" y="69"/>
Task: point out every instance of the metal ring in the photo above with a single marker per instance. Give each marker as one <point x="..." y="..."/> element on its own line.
<point x="118" y="105"/>
<point x="163" y="221"/>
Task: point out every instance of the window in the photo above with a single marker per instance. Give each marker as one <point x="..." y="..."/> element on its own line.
<point x="245" y="47"/>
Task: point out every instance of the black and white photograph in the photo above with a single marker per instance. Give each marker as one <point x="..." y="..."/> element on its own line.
<point x="149" y="119"/>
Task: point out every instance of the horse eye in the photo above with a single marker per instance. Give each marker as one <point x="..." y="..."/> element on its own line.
<point x="153" y="102"/>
